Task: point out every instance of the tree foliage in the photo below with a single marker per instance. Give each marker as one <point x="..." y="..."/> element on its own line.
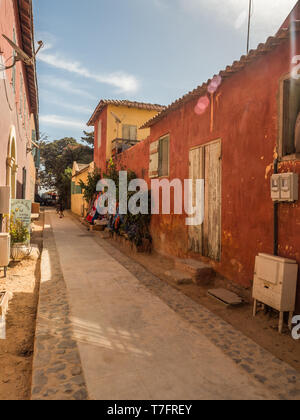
<point x="137" y="227"/>
<point x="88" y="138"/>
<point x="57" y="163"/>
<point x="89" y="188"/>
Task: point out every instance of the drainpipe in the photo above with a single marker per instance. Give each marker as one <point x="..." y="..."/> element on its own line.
<point x="276" y="208"/>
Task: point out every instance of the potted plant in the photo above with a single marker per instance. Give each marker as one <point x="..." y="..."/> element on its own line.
<point x="19" y="235"/>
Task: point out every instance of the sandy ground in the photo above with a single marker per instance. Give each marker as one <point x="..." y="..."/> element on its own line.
<point x="17" y="350"/>
<point x="263" y="329"/>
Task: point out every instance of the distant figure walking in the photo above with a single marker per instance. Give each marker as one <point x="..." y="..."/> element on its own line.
<point x="61" y="208"/>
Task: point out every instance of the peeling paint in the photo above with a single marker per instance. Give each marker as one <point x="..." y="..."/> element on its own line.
<point x="237" y="265"/>
<point x="269" y="168"/>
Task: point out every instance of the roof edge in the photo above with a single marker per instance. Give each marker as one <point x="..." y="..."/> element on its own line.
<point x="238" y="65"/>
<point x="126" y="103"/>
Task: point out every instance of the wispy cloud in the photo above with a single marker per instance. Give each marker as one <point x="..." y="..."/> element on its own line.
<point x="267" y="15"/>
<point x="57" y="120"/>
<point x="64" y="85"/>
<point x="123" y="82"/>
<point x="61" y="103"/>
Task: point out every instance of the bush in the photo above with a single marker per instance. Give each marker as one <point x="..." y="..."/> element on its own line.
<point x="89" y="189"/>
<point x="18" y="231"/>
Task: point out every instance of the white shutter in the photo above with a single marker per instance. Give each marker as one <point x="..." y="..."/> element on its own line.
<point x="133" y="132"/>
<point x="153" y="164"/>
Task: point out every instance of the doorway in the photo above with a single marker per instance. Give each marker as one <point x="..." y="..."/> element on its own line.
<point x="11" y="163"/>
<point x="205" y="163"/>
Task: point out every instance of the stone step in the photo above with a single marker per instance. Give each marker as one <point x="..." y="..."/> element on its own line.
<point x="200" y="272"/>
<point x="179" y="277"/>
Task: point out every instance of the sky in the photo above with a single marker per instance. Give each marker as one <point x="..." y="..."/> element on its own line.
<point x="144" y="50"/>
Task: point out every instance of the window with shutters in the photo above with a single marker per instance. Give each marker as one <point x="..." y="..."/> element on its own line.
<point x="163" y="156"/>
<point x="38" y="158"/>
<point x="24" y="175"/>
<point x="78" y="189"/>
<point x="289" y="132"/>
<point x="129" y="132"/>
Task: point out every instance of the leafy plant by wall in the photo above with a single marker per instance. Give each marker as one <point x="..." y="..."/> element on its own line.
<point x="19" y="233"/>
<point x="89" y="188"/>
<point x="136" y="227"/>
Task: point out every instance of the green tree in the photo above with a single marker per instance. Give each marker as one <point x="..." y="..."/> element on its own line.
<point x="57" y="162"/>
<point x="89" y="188"/>
<point x="88" y="138"/>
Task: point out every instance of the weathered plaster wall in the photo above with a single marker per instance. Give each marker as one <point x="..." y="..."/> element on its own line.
<point x="100" y="152"/>
<point x="130" y="116"/>
<point x="246" y="120"/>
<point x="12" y="114"/>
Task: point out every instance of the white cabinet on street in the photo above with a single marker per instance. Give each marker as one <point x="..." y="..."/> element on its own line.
<point x="275" y="284"/>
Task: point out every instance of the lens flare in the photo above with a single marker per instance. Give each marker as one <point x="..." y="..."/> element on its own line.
<point x="202" y="105"/>
<point x="214" y="84"/>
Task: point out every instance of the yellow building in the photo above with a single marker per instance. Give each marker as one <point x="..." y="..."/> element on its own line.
<point x="80" y="172"/>
<point x="117" y="127"/>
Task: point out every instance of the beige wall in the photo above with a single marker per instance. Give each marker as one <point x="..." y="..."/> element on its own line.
<point x="78" y="204"/>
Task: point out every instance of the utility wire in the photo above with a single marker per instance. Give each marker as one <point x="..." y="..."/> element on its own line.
<point x="249" y="25"/>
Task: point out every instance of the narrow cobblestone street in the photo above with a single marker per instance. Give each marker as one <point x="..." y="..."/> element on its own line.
<point x="136" y="340"/>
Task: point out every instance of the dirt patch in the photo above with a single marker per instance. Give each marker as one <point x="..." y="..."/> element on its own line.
<point x="263" y="329"/>
<point x="16" y="351"/>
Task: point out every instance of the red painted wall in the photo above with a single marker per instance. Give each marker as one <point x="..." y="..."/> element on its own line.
<point x="136" y="159"/>
<point x="100" y="153"/>
<point x="246" y="120"/>
<point x="10" y="101"/>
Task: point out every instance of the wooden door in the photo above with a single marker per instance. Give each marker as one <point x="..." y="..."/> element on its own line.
<point x="205" y="163"/>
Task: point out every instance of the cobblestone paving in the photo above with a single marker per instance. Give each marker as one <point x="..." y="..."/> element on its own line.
<point x="57" y="371"/>
<point x="281" y="379"/>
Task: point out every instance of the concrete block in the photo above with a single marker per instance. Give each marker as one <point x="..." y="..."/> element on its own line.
<point x="179" y="277"/>
<point x="201" y="273"/>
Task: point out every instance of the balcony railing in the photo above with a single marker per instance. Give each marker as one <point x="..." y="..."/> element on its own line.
<point x="120" y="145"/>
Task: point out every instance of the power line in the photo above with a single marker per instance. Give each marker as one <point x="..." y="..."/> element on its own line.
<point x="249" y="25"/>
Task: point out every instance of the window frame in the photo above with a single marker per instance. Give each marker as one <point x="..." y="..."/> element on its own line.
<point x="281" y="135"/>
<point x="129" y="127"/>
<point x="160" y="156"/>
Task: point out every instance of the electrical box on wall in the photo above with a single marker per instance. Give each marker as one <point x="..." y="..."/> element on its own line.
<point x="4" y="200"/>
<point x="285" y="187"/>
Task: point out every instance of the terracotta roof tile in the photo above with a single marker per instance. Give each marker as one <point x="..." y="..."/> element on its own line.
<point x="130" y="104"/>
<point x="27" y="32"/>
